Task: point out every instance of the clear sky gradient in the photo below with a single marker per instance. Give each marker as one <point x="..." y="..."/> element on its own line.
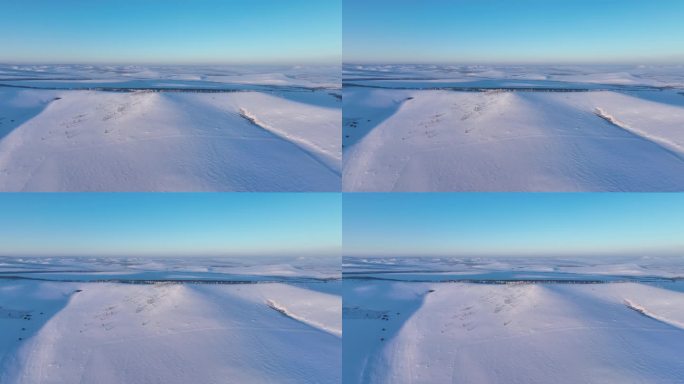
<point x="513" y="31"/>
<point x="171" y="31"/>
<point x="175" y="224"/>
<point x="513" y="224"/>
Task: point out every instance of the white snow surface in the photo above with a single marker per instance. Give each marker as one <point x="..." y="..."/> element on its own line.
<point x="151" y="135"/>
<point x="456" y="129"/>
<point x="320" y="311"/>
<point x="107" y="332"/>
<point x="510" y="333"/>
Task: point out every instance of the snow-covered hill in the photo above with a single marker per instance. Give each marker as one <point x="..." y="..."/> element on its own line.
<point x="511" y="131"/>
<point x="64" y="328"/>
<point x="153" y="133"/>
<point x="430" y="329"/>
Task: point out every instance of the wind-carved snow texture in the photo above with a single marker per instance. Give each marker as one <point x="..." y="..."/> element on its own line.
<point x="64" y="329"/>
<point x="473" y="128"/>
<point x="302" y="318"/>
<point x="590" y="328"/>
<point x="135" y="133"/>
<point x="674" y="145"/>
<point x="328" y="157"/>
<point x="611" y="119"/>
<point x="644" y="311"/>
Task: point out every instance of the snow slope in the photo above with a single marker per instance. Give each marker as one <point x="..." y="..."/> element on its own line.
<point x="143" y="326"/>
<point x="436" y="140"/>
<point x="511" y="333"/>
<point x="320" y="311"/>
<point x="150" y="129"/>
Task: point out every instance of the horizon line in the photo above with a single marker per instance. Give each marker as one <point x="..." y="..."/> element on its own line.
<point x="607" y="63"/>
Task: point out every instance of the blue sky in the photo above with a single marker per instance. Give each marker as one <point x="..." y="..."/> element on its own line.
<point x="170" y="224"/>
<point x="513" y="31"/>
<point x="171" y="31"/>
<point x="513" y="224"/>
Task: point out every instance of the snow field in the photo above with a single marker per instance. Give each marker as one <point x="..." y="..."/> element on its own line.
<point x="513" y="333"/>
<point x="430" y="140"/>
<point x="174" y="333"/>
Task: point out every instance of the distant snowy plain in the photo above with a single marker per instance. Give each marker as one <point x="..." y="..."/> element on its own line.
<point x="513" y="320"/>
<point x="133" y="128"/>
<point x="513" y="128"/>
<point x="112" y="320"/>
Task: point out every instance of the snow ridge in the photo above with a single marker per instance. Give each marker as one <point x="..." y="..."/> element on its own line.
<point x="668" y="144"/>
<point x="610" y="118"/>
<point x="644" y="311"/>
<point x="303" y="319"/>
<point x="314" y="151"/>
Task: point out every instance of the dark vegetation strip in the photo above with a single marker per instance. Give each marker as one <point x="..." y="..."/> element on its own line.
<point x="177" y="281"/>
<point x="511" y="89"/>
<point x="476" y="89"/>
<point x="518" y="281"/>
<point x="170" y="89"/>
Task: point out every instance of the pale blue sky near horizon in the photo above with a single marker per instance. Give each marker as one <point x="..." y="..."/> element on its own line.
<point x="520" y="31"/>
<point x="513" y="224"/>
<point x="170" y="224"/>
<point x="171" y="31"/>
<point x="326" y="32"/>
